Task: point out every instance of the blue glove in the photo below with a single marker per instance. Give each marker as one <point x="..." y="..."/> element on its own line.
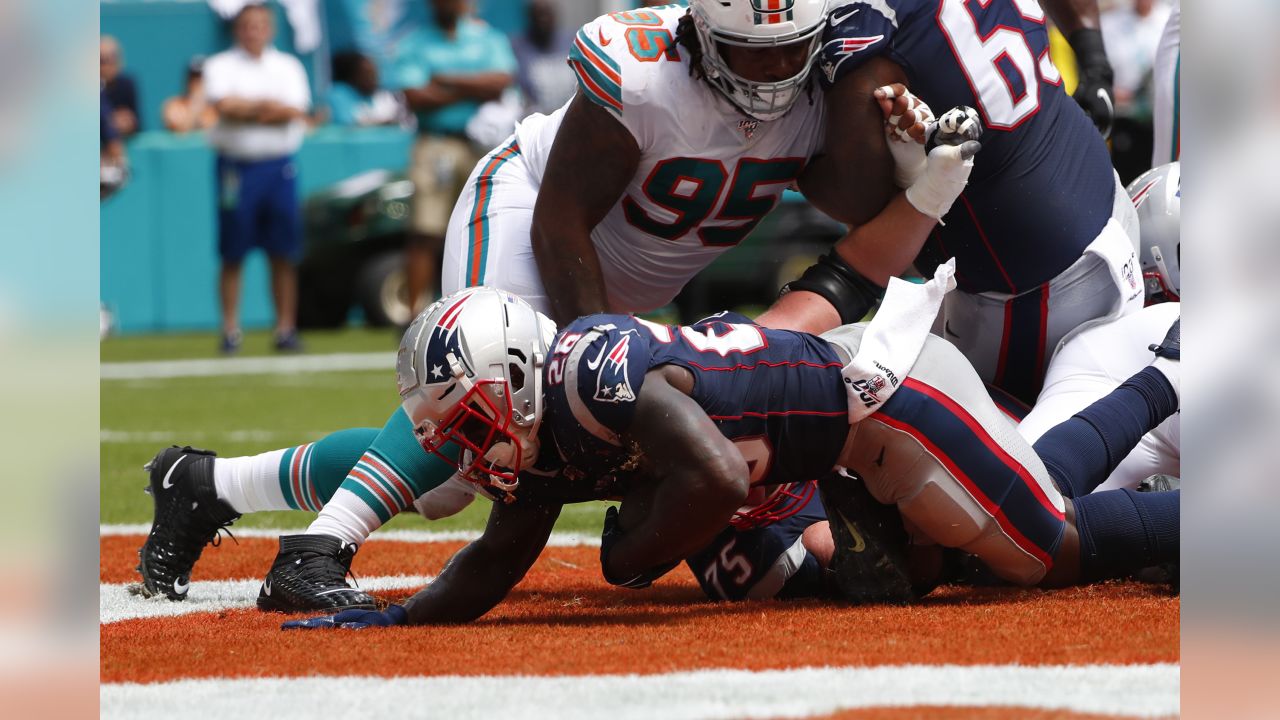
<point x="353" y="619"/>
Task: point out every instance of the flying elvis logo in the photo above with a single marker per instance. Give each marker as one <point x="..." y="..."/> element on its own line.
<point x="842" y="48"/>
<point x="610" y="366"/>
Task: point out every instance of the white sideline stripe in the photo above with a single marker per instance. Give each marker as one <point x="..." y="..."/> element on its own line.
<point x="116" y="601"/>
<point x="1132" y="690"/>
<point x="170" y="437"/>
<point x="156" y="369"/>
<point x="557" y="539"/>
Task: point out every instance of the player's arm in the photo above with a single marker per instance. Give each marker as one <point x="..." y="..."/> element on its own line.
<point x="700" y="476"/>
<point x="1079" y="22"/>
<point x="852" y="180"/>
<point x="591" y="162"/>
<point x="481" y="574"/>
<point x="848" y="281"/>
<point x="481" y="87"/>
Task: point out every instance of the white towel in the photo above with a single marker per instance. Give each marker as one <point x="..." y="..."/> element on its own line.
<point x="893" y="340"/>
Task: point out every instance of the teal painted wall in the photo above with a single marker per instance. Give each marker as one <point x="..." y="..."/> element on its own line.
<point x="159" y="234"/>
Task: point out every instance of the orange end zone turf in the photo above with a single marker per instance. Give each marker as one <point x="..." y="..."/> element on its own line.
<point x="563" y="619"/>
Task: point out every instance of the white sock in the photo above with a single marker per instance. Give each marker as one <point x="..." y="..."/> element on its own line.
<point x="251" y="483"/>
<point x="1169" y="368"/>
<point x="347" y="518"/>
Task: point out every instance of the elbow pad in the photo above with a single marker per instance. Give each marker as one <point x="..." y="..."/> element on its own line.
<point x="851" y="294"/>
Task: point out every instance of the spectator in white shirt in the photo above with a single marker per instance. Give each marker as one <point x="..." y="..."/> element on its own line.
<point x="262" y="98"/>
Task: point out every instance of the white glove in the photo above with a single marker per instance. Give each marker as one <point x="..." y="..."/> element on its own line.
<point x="948" y="164"/>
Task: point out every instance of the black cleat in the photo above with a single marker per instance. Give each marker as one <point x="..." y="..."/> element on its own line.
<point x="188" y="516"/>
<point x="1171" y="346"/>
<point x="310" y="573"/>
<point x="1160" y="483"/>
<point x="871" y="561"/>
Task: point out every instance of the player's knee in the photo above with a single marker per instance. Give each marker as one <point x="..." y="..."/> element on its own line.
<point x="818" y="541"/>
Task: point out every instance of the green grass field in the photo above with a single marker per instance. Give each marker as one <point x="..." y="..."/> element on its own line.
<point x="248" y="414"/>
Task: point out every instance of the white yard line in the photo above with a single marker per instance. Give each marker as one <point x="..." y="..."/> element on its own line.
<point x="117" y="601"/>
<point x="1130" y="690"/>
<point x="157" y="369"/>
<point x="557" y="539"/>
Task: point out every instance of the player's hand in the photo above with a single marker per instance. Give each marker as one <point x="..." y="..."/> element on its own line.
<point x="352" y="620"/>
<point x="953" y="143"/>
<point x="907" y="121"/>
<point x="1095" y="90"/>
<point x="609" y="537"/>
<point x="906" y="117"/>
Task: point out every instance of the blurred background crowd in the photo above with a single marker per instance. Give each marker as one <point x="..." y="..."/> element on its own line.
<point x="335" y="135"/>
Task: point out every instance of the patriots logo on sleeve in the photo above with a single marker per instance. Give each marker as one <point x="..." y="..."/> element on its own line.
<point x="610" y="366"/>
<point x="842" y="48"/>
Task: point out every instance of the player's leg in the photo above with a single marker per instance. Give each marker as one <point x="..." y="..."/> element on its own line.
<point x="1118" y="531"/>
<point x="775" y="559"/>
<point x="309" y="572"/>
<point x="487" y="244"/>
<point x="957" y="470"/>
<point x="196" y="494"/>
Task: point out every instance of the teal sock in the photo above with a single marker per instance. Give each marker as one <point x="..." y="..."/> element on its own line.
<point x="385" y="479"/>
<point x="310" y="474"/>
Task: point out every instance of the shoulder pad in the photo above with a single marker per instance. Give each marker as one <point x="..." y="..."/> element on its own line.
<point x="616" y="55"/>
<point x="855" y="33"/>
<point x="603" y="370"/>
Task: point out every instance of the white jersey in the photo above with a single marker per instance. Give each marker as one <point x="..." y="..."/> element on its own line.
<point x="1091" y="365"/>
<point x="707" y="172"/>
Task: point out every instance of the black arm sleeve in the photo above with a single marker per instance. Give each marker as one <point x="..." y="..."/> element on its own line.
<point x="851" y="294"/>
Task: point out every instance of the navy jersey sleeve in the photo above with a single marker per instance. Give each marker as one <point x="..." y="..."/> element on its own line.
<point x="855" y="33"/>
<point x="595" y="374"/>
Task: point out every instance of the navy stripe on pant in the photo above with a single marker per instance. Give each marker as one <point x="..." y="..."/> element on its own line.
<point x="1020" y="370"/>
<point x="991" y="475"/>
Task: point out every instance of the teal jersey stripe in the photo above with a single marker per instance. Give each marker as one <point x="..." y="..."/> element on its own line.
<point x="478" y="226"/>
<point x="595" y="82"/>
<point x="286" y="478"/>
<point x="610" y="62"/>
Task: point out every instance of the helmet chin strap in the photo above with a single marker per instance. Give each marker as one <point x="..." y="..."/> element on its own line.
<point x="504" y="454"/>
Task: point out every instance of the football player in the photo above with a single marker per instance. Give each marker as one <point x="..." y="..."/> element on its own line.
<point x="686" y="128"/>
<point x="1044" y="235"/>
<point x="1092" y="362"/>
<point x="690" y="418"/>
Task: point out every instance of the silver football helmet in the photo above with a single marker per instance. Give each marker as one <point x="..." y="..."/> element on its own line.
<point x="469" y="371"/>
<point x="758" y="24"/>
<point x="1157" y="194"/>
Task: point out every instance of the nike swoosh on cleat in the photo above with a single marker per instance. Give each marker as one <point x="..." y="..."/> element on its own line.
<point x="266" y="587"/>
<point x="165" y="483"/>
<point x="858" y="543"/>
<point x="180" y="587"/>
<point x="330" y="592"/>
<point x="837" y="19"/>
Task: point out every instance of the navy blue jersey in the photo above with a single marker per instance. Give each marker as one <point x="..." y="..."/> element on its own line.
<point x="777" y="394"/>
<point x="1042" y="187"/>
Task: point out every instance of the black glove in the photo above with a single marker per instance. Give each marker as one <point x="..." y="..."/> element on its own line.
<point x="612" y="533"/>
<point x="1094" y="91"/>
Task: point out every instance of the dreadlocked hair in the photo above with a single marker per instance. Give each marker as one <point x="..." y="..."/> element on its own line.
<point x="687" y="37"/>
